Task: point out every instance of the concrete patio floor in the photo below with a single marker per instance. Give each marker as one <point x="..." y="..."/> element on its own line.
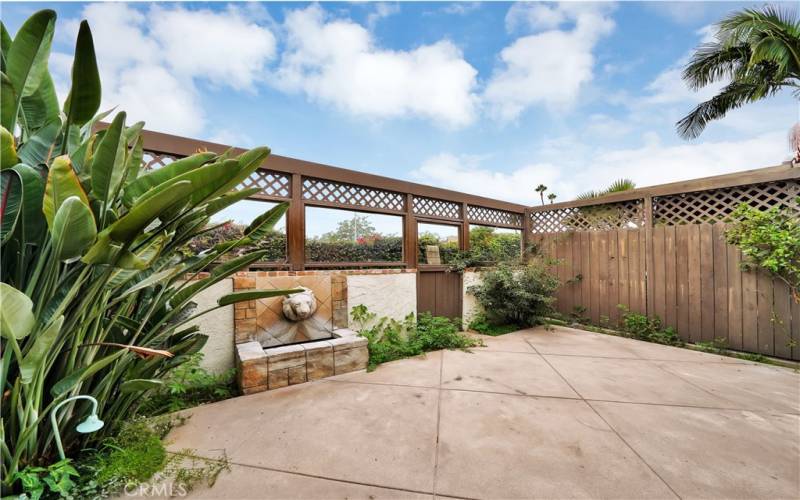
<point x="535" y="413"/>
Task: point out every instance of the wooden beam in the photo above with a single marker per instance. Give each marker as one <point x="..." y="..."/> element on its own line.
<point x="183" y="146"/>
<point x="296" y="226"/>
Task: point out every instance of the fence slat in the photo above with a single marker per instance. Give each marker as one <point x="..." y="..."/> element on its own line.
<point x="795" y="329"/>
<point x="594" y="305"/>
<point x="602" y="256"/>
<point x="782" y="325"/>
<point x="766" y="337"/>
<point x="586" y="266"/>
<point x="749" y="312"/>
<point x="707" y="281"/>
<point x="634" y="272"/>
<point x="670" y="278"/>
<point x="735" y="305"/>
<point x="659" y="295"/>
<point x="682" y="281"/>
<point x="720" y="276"/>
<point x="623" y="260"/>
<point x="613" y="277"/>
<point x="695" y="315"/>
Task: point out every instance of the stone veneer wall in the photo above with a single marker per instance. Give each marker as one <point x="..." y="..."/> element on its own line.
<point x="470" y="305"/>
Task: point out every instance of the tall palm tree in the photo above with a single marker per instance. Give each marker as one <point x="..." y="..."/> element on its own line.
<point x="551" y="197"/>
<point x="758" y="50"/>
<point x="541" y="188"/>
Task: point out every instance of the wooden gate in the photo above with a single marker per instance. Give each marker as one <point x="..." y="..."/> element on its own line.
<point x="439" y="293"/>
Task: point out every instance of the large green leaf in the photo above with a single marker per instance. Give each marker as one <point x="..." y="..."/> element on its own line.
<point x="16" y="315"/>
<point x="26" y="62"/>
<point x="226" y="200"/>
<point x="5" y="45"/>
<point x="108" y="163"/>
<point x="41" y="107"/>
<point x="8" y="102"/>
<point x="139" y="186"/>
<point x="35" y="356"/>
<point x="134" y="161"/>
<point x="61" y="184"/>
<point x="81" y="374"/>
<point x="249" y="162"/>
<point x="139" y="385"/>
<point x="142" y="258"/>
<point x="30" y="225"/>
<point x="8" y="150"/>
<point x="10" y="202"/>
<point x="84" y="98"/>
<point x="266" y="221"/>
<point x="143" y="213"/>
<point x="39" y="146"/>
<point x="217" y="274"/>
<point x="74" y="229"/>
<point x="235" y="297"/>
<point x="151" y="280"/>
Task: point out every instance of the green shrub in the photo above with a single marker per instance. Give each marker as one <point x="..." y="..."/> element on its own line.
<point x="516" y="295"/>
<point x="190" y="385"/>
<point x="769" y="239"/>
<point x="389" y="339"/>
<point x="641" y="327"/>
<point x="374" y="249"/>
<point x="481" y="324"/>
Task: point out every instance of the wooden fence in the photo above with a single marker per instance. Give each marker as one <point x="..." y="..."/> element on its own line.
<point x="661" y="251"/>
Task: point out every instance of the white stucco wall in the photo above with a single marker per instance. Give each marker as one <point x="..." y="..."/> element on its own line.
<point x="389" y="295"/>
<point x="471" y="306"/>
<point x="218" y="325"/>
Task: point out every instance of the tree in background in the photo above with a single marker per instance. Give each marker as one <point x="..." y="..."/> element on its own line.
<point x="541" y="188"/>
<point x="757" y="51"/>
<point x="359" y="227"/>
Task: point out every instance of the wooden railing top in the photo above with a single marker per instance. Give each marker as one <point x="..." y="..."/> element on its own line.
<point x="182" y="146"/>
<point x="785" y="171"/>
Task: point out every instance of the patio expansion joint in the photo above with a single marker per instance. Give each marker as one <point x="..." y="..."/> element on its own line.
<point x="438" y="425"/>
<point x="318" y="476"/>
<point x="589" y="404"/>
<point x="568" y="398"/>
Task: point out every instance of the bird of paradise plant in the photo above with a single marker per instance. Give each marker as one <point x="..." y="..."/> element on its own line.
<point x="96" y="296"/>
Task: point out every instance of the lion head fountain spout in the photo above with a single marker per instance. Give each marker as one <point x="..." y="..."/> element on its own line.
<point x="299" y="306"/>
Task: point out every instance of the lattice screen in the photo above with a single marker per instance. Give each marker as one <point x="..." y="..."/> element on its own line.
<point x="152" y="161"/>
<point x="350" y="194"/>
<point x="716" y="205"/>
<point x="436" y="208"/>
<point x="271" y="183"/>
<point x="621" y="215"/>
<point x="490" y="216"/>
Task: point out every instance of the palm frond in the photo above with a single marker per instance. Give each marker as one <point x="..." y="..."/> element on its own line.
<point x="712" y="62"/>
<point x="588" y="195"/>
<point x="620" y="185"/>
<point x="730" y="98"/>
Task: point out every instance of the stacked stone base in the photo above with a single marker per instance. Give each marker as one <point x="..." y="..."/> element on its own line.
<point x="262" y="369"/>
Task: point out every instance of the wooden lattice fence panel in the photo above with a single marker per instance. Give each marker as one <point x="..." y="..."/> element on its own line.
<point x="622" y="215"/>
<point x="436" y="208"/>
<point x="352" y="195"/>
<point x="271" y="183"/>
<point x="152" y="160"/>
<point x="491" y="216"/>
<point x="716" y="205"/>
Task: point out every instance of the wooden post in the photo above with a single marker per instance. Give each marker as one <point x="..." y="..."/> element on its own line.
<point x="410" y="234"/>
<point x="464" y="227"/>
<point x="648" y="254"/>
<point x="296" y="226"/>
<point x="527" y="236"/>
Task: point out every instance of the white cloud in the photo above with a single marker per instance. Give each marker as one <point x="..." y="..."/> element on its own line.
<point x="382" y="10"/>
<point x="337" y="62"/>
<point x="650" y="164"/>
<point x="150" y="61"/>
<point x="223" y="47"/>
<point x="549" y="67"/>
<point x="461" y="8"/>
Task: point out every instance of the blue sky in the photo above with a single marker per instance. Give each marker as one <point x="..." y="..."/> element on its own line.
<point x="489" y="98"/>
